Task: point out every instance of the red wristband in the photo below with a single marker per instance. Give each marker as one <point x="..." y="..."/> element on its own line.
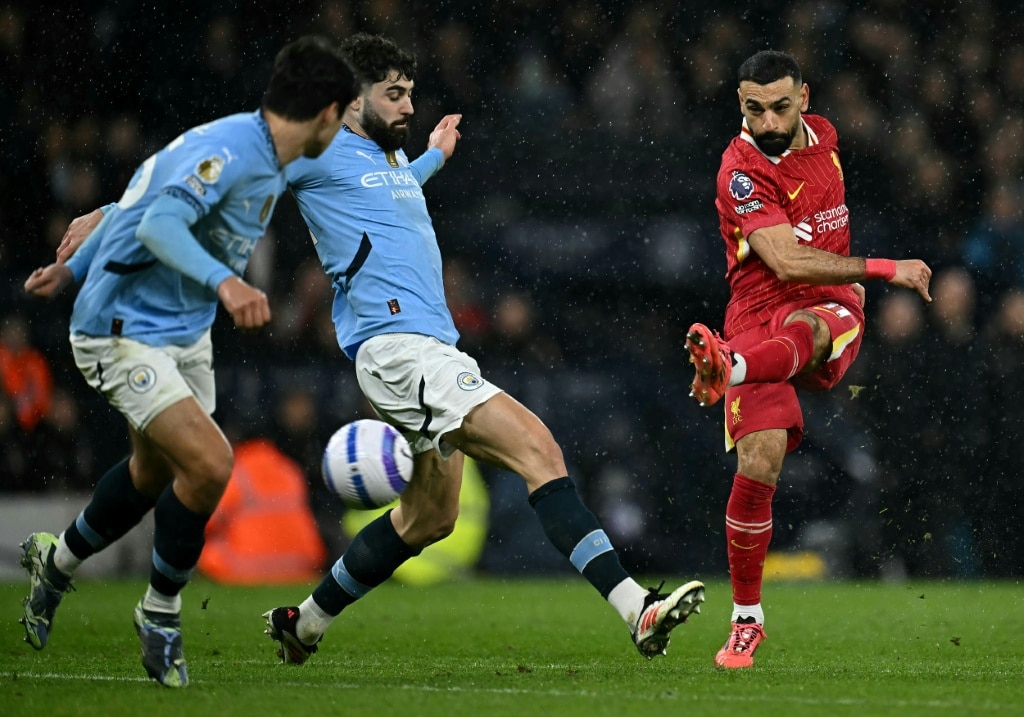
<point x="880" y="269"/>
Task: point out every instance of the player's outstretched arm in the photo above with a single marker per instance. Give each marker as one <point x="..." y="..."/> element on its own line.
<point x="77" y="232"/>
<point x="792" y="261"/>
<point x="48" y="281"/>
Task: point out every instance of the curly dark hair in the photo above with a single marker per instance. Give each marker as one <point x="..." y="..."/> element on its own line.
<point x="374" y="56"/>
<point x="309" y="74"/>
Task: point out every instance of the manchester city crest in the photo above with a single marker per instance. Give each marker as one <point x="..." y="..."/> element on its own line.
<point x="141" y="378"/>
<point x="468" y="381"/>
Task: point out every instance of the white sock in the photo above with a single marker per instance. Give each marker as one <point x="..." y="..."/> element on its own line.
<point x="158" y="602"/>
<point x="739" y="370"/>
<point x="743" y="611"/>
<point x="313" y="621"/>
<point x="628" y="599"/>
<point x="63" y="559"/>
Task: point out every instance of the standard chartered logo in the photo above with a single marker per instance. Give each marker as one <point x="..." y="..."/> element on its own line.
<point x="831" y="219"/>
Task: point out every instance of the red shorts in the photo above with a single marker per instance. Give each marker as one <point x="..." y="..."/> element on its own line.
<point x="761" y="406"/>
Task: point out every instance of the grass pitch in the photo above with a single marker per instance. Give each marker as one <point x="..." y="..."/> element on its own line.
<point x="518" y="647"/>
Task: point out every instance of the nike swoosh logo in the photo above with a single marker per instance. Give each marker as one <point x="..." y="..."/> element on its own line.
<point x="743" y="547"/>
<point x="795" y="192"/>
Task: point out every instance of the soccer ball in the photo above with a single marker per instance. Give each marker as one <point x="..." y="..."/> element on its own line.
<point x="367" y="463"/>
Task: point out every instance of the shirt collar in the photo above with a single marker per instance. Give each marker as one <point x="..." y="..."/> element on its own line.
<point x="261" y="121"/>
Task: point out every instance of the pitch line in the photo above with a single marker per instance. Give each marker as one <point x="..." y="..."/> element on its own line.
<point x="679" y="695"/>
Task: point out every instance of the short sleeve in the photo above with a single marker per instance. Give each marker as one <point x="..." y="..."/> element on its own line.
<point x="748" y="195"/>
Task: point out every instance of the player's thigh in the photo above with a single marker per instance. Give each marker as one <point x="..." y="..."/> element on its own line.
<point x="192" y="441"/>
<point x="503" y="432"/>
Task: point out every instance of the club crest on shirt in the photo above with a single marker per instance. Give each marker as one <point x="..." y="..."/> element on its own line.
<point x="835" y="161"/>
<point x="268" y="204"/>
<point x="210" y="168"/>
<point x="740" y="186"/>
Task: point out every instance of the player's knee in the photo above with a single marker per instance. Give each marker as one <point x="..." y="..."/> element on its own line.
<point x="819" y="330"/>
<point x="553" y="457"/>
<point x="542" y="466"/>
<point x="212" y="471"/>
<point x="760" y="467"/>
<point x="547" y="455"/>
<point x="822" y="339"/>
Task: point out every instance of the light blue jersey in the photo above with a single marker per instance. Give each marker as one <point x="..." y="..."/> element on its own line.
<point x="368" y="218"/>
<point x="190" y="219"/>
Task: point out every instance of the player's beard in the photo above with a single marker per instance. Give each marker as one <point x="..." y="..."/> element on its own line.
<point x="775" y="143"/>
<point x="390" y="137"/>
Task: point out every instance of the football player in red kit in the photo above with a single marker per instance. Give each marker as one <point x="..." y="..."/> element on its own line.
<point x="794" y="317"/>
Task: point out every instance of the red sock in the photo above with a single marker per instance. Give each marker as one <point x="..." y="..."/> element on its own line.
<point x="748" y="530"/>
<point x="782" y="356"/>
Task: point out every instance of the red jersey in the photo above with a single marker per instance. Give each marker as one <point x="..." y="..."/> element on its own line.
<point x="803" y="188"/>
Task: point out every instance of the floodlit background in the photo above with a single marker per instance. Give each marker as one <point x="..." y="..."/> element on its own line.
<point x="581" y="240"/>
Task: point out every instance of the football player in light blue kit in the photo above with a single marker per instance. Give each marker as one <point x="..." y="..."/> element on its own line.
<point x="155" y="268"/>
<point x="364" y="205"/>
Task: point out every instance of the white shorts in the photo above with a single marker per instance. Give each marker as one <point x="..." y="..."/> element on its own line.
<point x="140" y="380"/>
<point x="422" y="386"/>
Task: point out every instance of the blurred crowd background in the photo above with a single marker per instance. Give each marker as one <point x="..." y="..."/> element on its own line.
<point x="578" y="225"/>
